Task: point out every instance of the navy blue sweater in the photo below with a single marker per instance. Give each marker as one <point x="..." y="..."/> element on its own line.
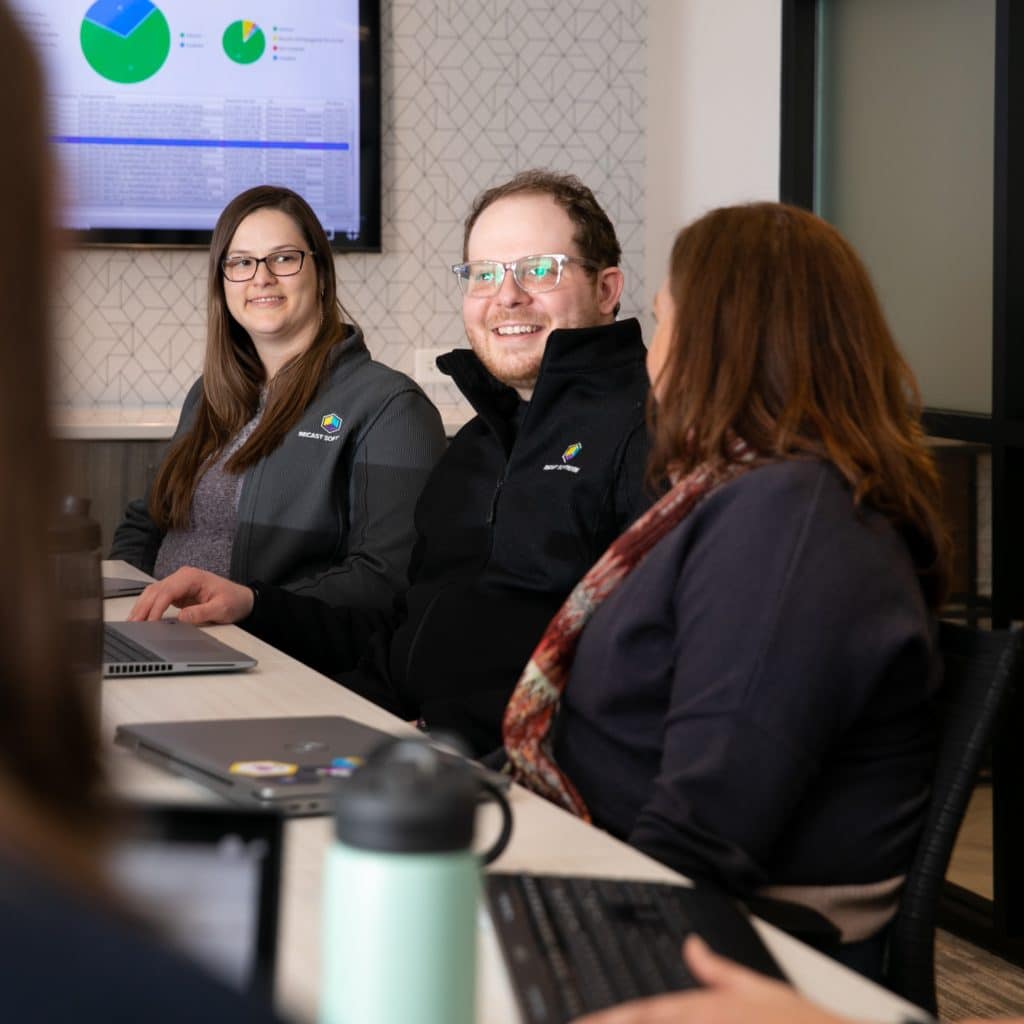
<point x="753" y="704"/>
<point x="66" y="958"/>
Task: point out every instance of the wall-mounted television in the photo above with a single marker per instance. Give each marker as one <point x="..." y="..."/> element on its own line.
<point x="163" y="110"/>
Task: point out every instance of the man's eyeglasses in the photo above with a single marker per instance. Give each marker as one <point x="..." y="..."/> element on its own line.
<point x="283" y="263"/>
<point x="534" y="274"/>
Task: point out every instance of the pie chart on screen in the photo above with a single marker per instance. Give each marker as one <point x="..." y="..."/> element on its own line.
<point x="125" y="41"/>
<point x="244" y="42"/>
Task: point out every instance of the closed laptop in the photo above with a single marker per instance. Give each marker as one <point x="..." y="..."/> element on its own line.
<point x="167" y="647"/>
<point x="287" y="763"/>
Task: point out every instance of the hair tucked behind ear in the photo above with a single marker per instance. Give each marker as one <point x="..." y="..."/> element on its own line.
<point x="780" y="338"/>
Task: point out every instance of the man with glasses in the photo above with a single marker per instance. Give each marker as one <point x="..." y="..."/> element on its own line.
<point x="528" y="495"/>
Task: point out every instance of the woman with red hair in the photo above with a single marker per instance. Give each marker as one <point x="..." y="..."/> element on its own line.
<point x="743" y="682"/>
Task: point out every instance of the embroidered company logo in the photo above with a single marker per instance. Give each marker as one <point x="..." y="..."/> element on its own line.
<point x="329" y="424"/>
<point x="568" y="455"/>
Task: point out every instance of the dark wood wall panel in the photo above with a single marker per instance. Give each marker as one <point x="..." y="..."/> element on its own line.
<point x="110" y="474"/>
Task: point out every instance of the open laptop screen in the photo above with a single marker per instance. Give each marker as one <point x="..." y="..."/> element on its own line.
<point x="209" y="879"/>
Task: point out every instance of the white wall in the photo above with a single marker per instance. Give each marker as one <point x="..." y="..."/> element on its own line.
<point x="712" y="113"/>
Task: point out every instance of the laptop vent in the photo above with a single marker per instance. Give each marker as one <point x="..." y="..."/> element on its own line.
<point x="128" y="669"/>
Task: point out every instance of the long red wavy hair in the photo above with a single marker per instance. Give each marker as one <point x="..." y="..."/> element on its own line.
<point x="779" y="337"/>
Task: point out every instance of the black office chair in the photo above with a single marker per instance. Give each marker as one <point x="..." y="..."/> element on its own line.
<point x="980" y="666"/>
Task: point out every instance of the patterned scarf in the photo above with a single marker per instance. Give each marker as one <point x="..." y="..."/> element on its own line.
<point x="531" y="710"/>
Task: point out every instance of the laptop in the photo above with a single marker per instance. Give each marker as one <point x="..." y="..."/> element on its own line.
<point x="121" y="586"/>
<point x="574" y="945"/>
<point x="288" y="764"/>
<point x="208" y="879"/>
<point x="291" y="764"/>
<point x="167" y="647"/>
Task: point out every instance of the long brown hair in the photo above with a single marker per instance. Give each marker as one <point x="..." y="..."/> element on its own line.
<point x="779" y="337"/>
<point x="50" y="771"/>
<point x="233" y="375"/>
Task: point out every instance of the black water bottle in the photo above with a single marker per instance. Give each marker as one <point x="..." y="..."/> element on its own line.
<point x="74" y="541"/>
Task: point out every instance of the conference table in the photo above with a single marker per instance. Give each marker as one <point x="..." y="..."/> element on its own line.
<point x="545" y="838"/>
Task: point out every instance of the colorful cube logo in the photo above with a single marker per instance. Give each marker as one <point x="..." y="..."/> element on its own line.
<point x="331" y="423"/>
<point x="572" y="451"/>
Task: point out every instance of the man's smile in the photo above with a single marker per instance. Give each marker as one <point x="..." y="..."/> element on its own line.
<point x="505" y="330"/>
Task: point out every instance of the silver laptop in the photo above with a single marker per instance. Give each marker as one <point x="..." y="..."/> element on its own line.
<point x="291" y="764"/>
<point x="122" y="586"/>
<point x="167" y="647"/>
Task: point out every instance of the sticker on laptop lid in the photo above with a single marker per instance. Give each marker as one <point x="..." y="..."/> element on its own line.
<point x="342" y="767"/>
<point x="263" y="769"/>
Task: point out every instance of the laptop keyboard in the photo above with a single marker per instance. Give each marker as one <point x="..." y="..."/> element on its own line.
<point x="124" y="657"/>
<point x="575" y="945"/>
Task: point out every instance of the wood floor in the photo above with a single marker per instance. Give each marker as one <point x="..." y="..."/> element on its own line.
<point x="971" y="863"/>
<point x="971" y="982"/>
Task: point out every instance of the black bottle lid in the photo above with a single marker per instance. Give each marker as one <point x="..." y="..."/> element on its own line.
<point x="407" y="798"/>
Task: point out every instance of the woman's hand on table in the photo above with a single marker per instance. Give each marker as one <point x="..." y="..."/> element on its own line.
<point x="203" y="597"/>
<point x="734" y="995"/>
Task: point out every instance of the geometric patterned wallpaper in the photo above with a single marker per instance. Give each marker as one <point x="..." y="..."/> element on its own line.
<point x="473" y="91"/>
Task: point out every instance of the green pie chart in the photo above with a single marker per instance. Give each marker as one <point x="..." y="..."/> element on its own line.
<point x="125" y="41"/>
<point x="244" y="42"/>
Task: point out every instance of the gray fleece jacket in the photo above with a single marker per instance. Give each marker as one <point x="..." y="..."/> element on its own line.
<point x="329" y="512"/>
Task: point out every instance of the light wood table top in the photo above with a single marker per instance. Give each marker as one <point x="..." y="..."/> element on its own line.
<point x="545" y="838"/>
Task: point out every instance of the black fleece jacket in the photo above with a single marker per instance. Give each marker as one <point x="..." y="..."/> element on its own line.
<point x="524" y="501"/>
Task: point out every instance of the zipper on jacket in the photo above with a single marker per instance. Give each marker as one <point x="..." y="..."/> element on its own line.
<point x="493" y="514"/>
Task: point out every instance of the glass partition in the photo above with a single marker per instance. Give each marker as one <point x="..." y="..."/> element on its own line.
<point x="905" y="169"/>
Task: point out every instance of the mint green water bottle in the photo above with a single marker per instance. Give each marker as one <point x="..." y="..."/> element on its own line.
<point x="401" y="888"/>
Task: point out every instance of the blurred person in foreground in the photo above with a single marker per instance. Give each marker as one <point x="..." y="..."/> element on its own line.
<point x="68" y="950"/>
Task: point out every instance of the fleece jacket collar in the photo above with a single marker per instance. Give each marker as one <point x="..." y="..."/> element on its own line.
<point x="570" y="352"/>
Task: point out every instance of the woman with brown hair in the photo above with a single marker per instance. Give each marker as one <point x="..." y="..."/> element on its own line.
<point x="743" y="681"/>
<point x="298" y="459"/>
<point x="67" y="950"/>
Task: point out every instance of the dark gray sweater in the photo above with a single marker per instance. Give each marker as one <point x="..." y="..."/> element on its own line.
<point x="753" y="703"/>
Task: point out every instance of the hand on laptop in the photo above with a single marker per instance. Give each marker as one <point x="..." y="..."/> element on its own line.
<point x="203" y="597"/>
<point x="734" y="995"/>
